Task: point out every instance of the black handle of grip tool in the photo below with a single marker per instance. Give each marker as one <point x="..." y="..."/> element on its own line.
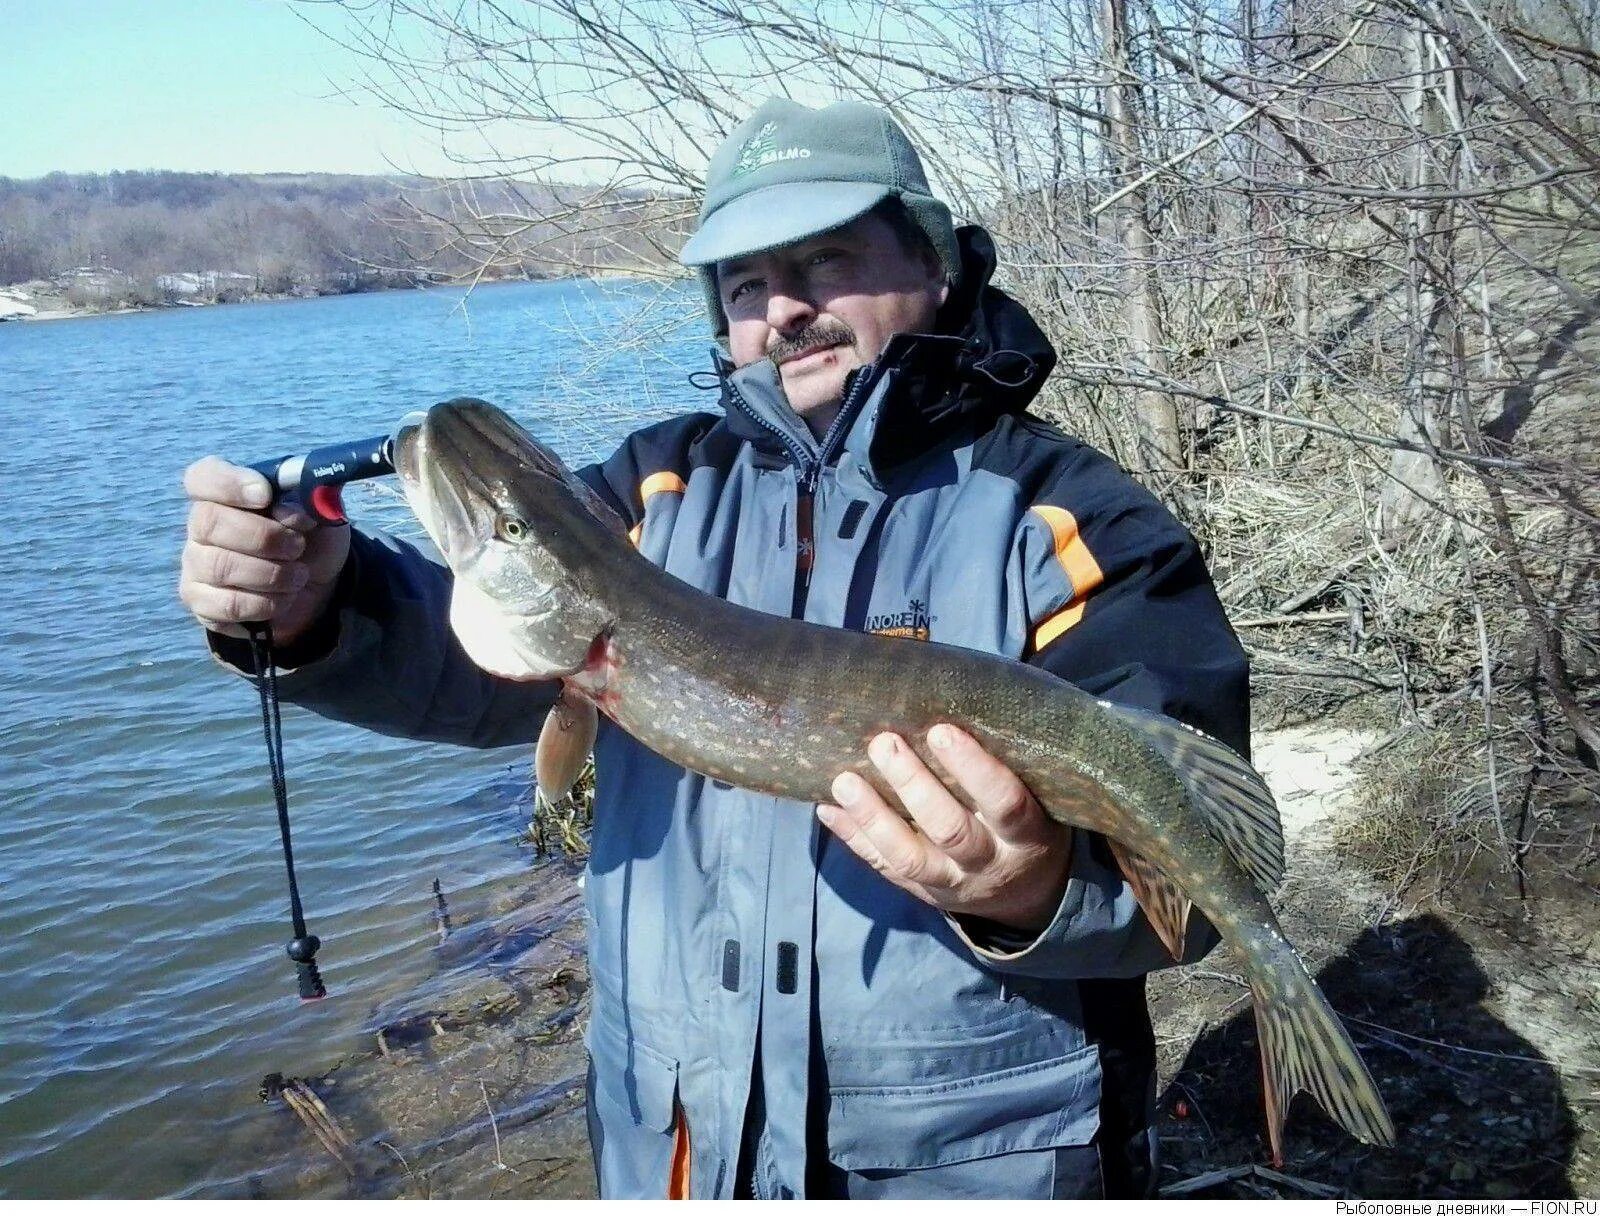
<point x="316" y="478"/>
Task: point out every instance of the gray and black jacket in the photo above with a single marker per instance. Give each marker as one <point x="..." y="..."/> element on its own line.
<point x="735" y="948"/>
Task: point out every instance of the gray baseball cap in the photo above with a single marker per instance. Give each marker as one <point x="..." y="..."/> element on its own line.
<point x="789" y="172"/>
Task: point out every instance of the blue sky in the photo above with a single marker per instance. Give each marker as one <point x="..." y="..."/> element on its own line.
<point x="241" y="86"/>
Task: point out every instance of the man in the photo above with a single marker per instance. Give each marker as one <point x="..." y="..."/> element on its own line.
<point x="869" y="1008"/>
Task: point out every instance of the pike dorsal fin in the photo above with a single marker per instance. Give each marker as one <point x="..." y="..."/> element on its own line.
<point x="1165" y="906"/>
<point x="1232" y="799"/>
<point x="564" y="744"/>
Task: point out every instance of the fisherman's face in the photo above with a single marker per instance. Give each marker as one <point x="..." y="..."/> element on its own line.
<point x="825" y="306"/>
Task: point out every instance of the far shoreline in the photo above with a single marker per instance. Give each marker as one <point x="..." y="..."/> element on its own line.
<point x="61" y="310"/>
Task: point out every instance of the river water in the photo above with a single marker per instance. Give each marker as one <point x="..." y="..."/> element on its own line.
<point x="143" y="987"/>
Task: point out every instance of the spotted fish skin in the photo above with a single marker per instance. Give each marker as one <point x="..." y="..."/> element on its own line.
<point x="548" y="586"/>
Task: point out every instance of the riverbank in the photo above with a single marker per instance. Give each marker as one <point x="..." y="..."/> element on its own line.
<point x="63" y="300"/>
<point x="470" y="1086"/>
<point x="46" y="300"/>
<point x="1477" y="1014"/>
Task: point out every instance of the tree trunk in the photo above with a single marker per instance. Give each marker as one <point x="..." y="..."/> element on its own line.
<point x="1156" y="414"/>
<point x="1416" y="481"/>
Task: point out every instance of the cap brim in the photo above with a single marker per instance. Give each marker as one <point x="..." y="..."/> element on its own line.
<point x="778" y="215"/>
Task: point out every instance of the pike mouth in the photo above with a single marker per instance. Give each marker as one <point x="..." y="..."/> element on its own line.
<point x="464" y="465"/>
<point x="443" y="493"/>
<point x="405" y="453"/>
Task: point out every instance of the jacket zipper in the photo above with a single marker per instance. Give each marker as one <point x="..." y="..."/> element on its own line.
<point x="810" y="477"/>
<point x="805" y="505"/>
<point x="796" y="452"/>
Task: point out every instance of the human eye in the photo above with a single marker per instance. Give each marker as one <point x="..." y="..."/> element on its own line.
<point x="741" y="288"/>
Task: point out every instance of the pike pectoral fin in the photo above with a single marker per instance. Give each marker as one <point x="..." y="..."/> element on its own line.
<point x="564" y="744"/>
<point x="1165" y="906"/>
<point x="1304" y="1046"/>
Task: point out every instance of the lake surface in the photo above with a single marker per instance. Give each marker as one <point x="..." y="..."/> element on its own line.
<point x="144" y="991"/>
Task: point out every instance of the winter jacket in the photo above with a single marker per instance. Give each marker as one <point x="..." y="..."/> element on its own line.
<point x="743" y="961"/>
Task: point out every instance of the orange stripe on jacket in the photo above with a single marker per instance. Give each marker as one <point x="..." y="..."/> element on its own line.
<point x="648" y="489"/>
<point x="1082" y="570"/>
<point x="678" y="1181"/>
<point x="657" y="482"/>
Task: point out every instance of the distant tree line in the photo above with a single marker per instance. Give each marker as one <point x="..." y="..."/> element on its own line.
<point x="289" y="231"/>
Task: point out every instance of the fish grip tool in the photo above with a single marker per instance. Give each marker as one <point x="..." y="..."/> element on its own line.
<point x="315" y="481"/>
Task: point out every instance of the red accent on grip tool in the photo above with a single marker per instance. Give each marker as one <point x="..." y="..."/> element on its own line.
<point x="327" y="504"/>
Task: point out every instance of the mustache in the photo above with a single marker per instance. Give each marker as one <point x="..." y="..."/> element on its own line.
<point x="818" y="333"/>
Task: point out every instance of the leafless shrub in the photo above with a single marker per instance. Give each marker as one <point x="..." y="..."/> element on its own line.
<point x="1326" y="273"/>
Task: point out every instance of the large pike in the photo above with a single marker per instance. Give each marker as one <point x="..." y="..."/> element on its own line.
<point x="547" y="586"/>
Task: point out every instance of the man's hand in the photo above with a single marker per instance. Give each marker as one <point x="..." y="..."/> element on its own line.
<point x="240" y="565"/>
<point x="1004" y="859"/>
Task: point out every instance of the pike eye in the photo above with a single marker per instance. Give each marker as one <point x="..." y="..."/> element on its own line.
<point x="510" y="528"/>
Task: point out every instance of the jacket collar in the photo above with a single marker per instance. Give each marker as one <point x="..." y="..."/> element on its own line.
<point x="986" y="358"/>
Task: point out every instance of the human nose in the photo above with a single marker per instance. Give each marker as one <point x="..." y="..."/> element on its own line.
<point x="789" y="306"/>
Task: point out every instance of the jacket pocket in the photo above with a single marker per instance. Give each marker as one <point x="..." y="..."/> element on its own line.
<point x="1043" y="1104"/>
<point x="636" y="1080"/>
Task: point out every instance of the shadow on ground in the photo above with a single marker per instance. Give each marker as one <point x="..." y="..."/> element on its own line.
<point x="1484" y="1116"/>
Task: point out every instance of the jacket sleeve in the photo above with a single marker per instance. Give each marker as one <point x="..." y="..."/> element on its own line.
<point x="384" y="657"/>
<point x="1120" y="603"/>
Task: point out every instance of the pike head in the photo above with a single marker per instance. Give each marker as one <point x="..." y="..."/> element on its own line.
<point x="520" y="533"/>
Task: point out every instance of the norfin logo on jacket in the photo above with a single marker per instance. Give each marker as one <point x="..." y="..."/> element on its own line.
<point x="914" y="622"/>
<point x="760" y="150"/>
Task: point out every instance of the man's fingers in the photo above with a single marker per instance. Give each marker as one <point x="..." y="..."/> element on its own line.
<point x="948" y="826"/>
<point x="243" y="562"/>
<point x="294" y="518"/>
<point x="906" y="855"/>
<point x="1027" y="854"/>
<point x="838" y="821"/>
<point x="225" y="568"/>
<point x="997" y="794"/>
<point x="212" y="479"/>
<point x="242" y="531"/>
<point x="219" y="606"/>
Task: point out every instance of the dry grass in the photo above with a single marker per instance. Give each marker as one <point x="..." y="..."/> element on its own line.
<point x="1421" y="809"/>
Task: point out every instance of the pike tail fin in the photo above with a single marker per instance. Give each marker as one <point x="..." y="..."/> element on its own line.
<point x="1304" y="1046"/>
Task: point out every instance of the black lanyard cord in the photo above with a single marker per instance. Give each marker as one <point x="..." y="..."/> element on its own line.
<point x="303" y="949"/>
